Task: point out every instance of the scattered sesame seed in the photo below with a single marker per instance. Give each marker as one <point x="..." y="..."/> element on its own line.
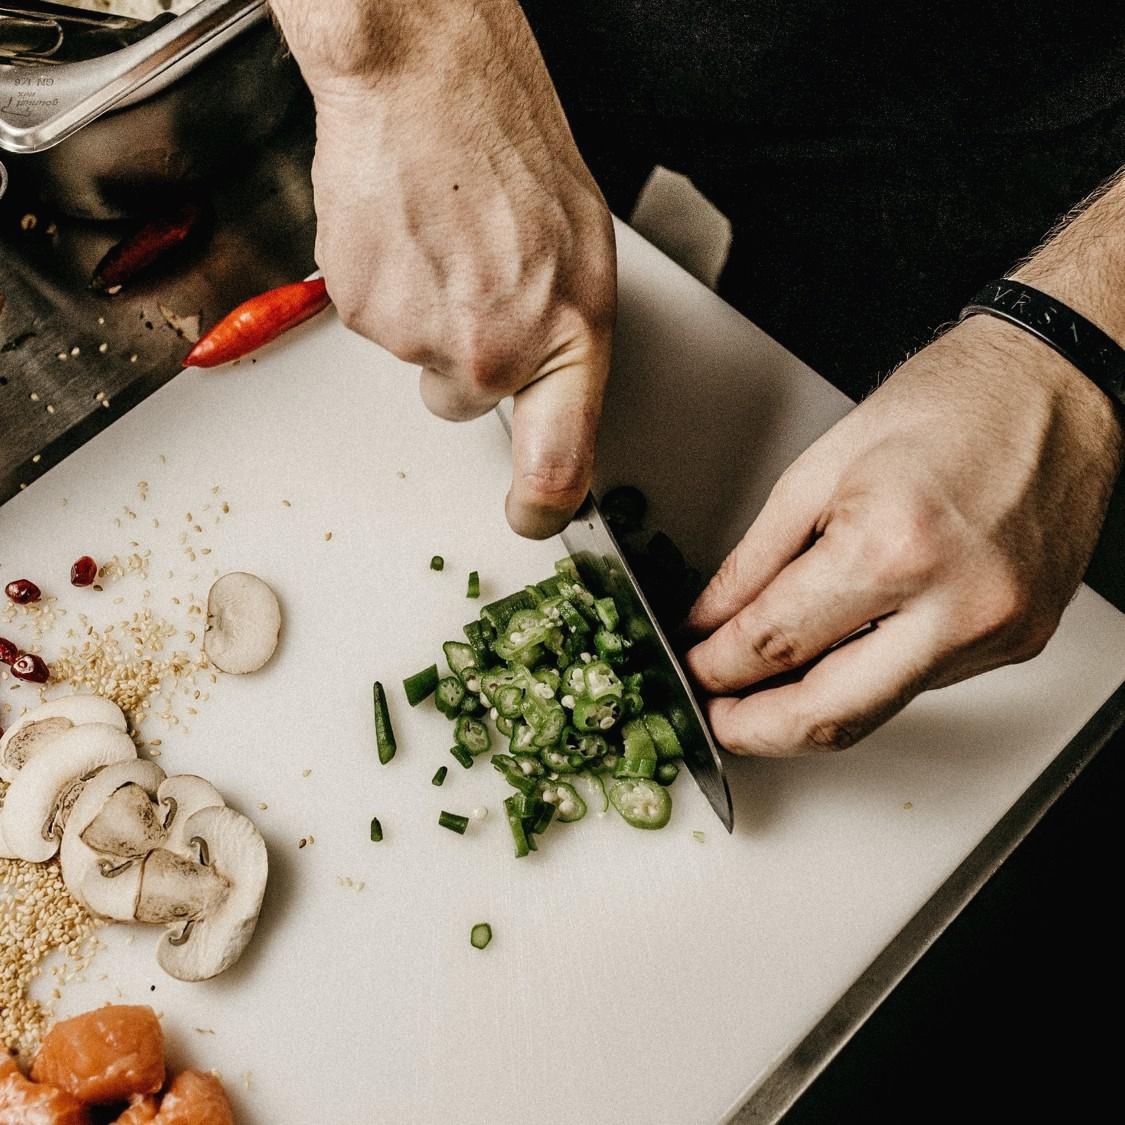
<point x="38" y="919"/>
<point x="327" y="536"/>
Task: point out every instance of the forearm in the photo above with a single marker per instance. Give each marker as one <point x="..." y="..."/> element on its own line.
<point x="1082" y="262"/>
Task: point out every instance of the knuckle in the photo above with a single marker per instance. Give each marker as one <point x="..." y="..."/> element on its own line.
<point x="830" y="734"/>
<point x="769" y="643"/>
<point x="907" y="551"/>
<point x="557" y="479"/>
<point x="1004" y="613"/>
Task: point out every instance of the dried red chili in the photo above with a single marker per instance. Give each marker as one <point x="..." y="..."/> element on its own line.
<point x="146" y="246"/>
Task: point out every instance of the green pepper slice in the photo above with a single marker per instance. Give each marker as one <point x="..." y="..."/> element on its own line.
<point x="643" y="803"/>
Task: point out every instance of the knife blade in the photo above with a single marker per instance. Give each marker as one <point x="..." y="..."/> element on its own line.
<point x="602" y="565"/>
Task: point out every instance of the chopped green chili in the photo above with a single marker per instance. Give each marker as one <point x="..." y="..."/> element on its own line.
<point x="559" y="671"/>
<point x="515" y="823"/>
<point x="384" y="733"/>
<point x="450" y="696"/>
<point x="472" y="734"/>
<point x="421" y="685"/>
<point x="376" y="830"/>
<point x="437" y="563"/>
<point x="473" y="589"/>
<point x="480" y="935"/>
<point x="454" y="822"/>
<point x="439" y="777"/>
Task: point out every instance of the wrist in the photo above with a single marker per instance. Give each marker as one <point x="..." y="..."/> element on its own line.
<point x="1029" y="375"/>
<point x="358" y="42"/>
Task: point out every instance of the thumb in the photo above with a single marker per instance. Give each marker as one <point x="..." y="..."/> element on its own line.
<point x="554" y="436"/>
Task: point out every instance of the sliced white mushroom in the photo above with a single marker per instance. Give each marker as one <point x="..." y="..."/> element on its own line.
<point x="34" y="729"/>
<point x="243" y="621"/>
<point x="228" y="846"/>
<point x="176" y="889"/>
<point x="107" y="835"/>
<point x="180" y="798"/>
<point x="42" y="793"/>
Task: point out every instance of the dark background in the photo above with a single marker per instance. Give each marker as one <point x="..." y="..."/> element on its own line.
<point x="878" y="163"/>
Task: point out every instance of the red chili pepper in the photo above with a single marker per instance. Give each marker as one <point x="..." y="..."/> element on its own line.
<point x="145" y="246"/>
<point x="258" y="321"/>
<point x="31" y="668"/>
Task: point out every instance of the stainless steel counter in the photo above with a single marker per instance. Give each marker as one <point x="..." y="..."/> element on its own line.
<point x="260" y="234"/>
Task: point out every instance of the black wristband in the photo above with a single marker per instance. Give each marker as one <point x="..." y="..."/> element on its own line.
<point x="1075" y="338"/>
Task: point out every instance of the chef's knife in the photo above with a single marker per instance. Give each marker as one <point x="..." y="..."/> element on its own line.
<point x="602" y="565"/>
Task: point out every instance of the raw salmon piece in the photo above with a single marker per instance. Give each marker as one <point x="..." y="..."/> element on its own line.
<point x="194" y="1098"/>
<point x="103" y="1056"/>
<point x="140" y="1112"/>
<point x="27" y="1103"/>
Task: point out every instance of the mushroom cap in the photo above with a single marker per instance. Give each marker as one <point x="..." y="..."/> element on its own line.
<point x="243" y="622"/>
<point x="236" y="849"/>
<point x="32" y="730"/>
<point x="112" y="896"/>
<point x="183" y="795"/>
<point x="36" y="791"/>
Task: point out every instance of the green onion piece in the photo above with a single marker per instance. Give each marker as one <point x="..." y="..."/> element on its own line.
<point x="663" y="734"/>
<point x="473" y="590"/>
<point x="472" y="734"/>
<point x="481" y="935"/>
<point x="606" y="610"/>
<point x="384" y="733"/>
<point x="450" y="695"/>
<point x="697" y="836"/>
<point x="454" y="822"/>
<point x="421" y="685"/>
<point x="515" y="823"/>
<point x="437" y="563"/>
<point x="480" y="635"/>
<point x="498" y="613"/>
<point x="462" y="659"/>
<point x="439" y="777"/>
<point x="376" y="830"/>
<point x="462" y="755"/>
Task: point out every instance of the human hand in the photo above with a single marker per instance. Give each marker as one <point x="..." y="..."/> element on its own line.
<point x="458" y="226"/>
<point x="956" y="508"/>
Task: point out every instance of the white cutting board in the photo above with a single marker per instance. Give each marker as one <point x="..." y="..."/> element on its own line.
<point x="633" y="977"/>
